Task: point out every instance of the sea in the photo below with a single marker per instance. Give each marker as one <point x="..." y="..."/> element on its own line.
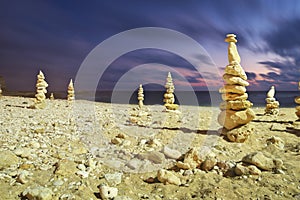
<point x="193" y="98"/>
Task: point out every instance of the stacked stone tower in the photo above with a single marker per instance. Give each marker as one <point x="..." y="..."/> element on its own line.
<point x="141" y="96"/>
<point x="51" y="96"/>
<point x="236" y="109"/>
<point x="297" y="101"/>
<point x="140" y="115"/>
<point x="169" y="98"/>
<point x="41" y="90"/>
<point x="272" y="105"/>
<point x="71" y="92"/>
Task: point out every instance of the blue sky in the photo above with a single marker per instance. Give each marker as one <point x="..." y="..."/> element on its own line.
<point x="56" y="36"/>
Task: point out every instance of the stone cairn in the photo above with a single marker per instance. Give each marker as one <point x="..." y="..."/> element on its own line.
<point x="296" y="124"/>
<point x="169" y="98"/>
<point x="236" y="110"/>
<point x="140" y="115"/>
<point x="51" y="96"/>
<point x="41" y="90"/>
<point x="71" y="93"/>
<point x="272" y="105"/>
<point x="141" y="96"/>
<point x="297" y="101"/>
<point x="0" y="92"/>
<point x="172" y="114"/>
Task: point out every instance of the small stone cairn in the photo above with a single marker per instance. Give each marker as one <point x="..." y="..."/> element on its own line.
<point x="296" y="124"/>
<point x="297" y="101"/>
<point x="169" y="98"/>
<point x="172" y="114"/>
<point x="272" y="105"/>
<point x="140" y="115"/>
<point x="236" y="110"/>
<point x="51" y="96"/>
<point x="41" y="90"/>
<point x="71" y="93"/>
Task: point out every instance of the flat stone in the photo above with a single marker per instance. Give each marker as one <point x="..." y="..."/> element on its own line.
<point x="154" y="156"/>
<point x="171" y="153"/>
<point x="134" y="163"/>
<point x="171" y="106"/>
<point x="7" y="158"/>
<point x="234" y="80"/>
<point x="231" y="119"/>
<point x="236" y="89"/>
<point x="233" y="96"/>
<point x="261" y="161"/>
<point x="236" y="70"/>
<point x="167" y="177"/>
<point x="278" y="127"/>
<point x="235" y="105"/>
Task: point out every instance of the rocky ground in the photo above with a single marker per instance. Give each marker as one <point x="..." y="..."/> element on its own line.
<point x="86" y="150"/>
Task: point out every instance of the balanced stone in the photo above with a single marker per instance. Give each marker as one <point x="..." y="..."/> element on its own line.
<point x="236" y="70"/>
<point x="237" y="89"/>
<point x="231" y="119"/>
<point x="235" y="105"/>
<point x="234" y="80"/>
<point x="233" y="96"/>
<point x="272" y="105"/>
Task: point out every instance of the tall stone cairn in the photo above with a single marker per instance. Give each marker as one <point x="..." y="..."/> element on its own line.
<point x="41" y="90"/>
<point x="0" y="91"/>
<point x="297" y="101"/>
<point x="271" y="104"/>
<point x="140" y="115"/>
<point x="236" y="110"/>
<point x="169" y="97"/>
<point x="71" y="92"/>
<point x="141" y="96"/>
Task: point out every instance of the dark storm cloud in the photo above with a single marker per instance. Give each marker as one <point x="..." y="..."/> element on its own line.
<point x="251" y="75"/>
<point x="284" y="41"/>
<point x="57" y="35"/>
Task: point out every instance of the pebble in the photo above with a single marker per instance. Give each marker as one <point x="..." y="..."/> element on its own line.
<point x="168" y="177"/>
<point x="108" y="192"/>
<point x="261" y="161"/>
<point x="81" y="167"/>
<point x="58" y="182"/>
<point x="114" y="179"/>
<point x="82" y="174"/>
<point x="171" y="153"/>
<point x="188" y="172"/>
<point x="23" y="177"/>
<point x="208" y="164"/>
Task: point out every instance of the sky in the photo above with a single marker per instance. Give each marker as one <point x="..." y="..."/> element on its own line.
<point x="57" y="36"/>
